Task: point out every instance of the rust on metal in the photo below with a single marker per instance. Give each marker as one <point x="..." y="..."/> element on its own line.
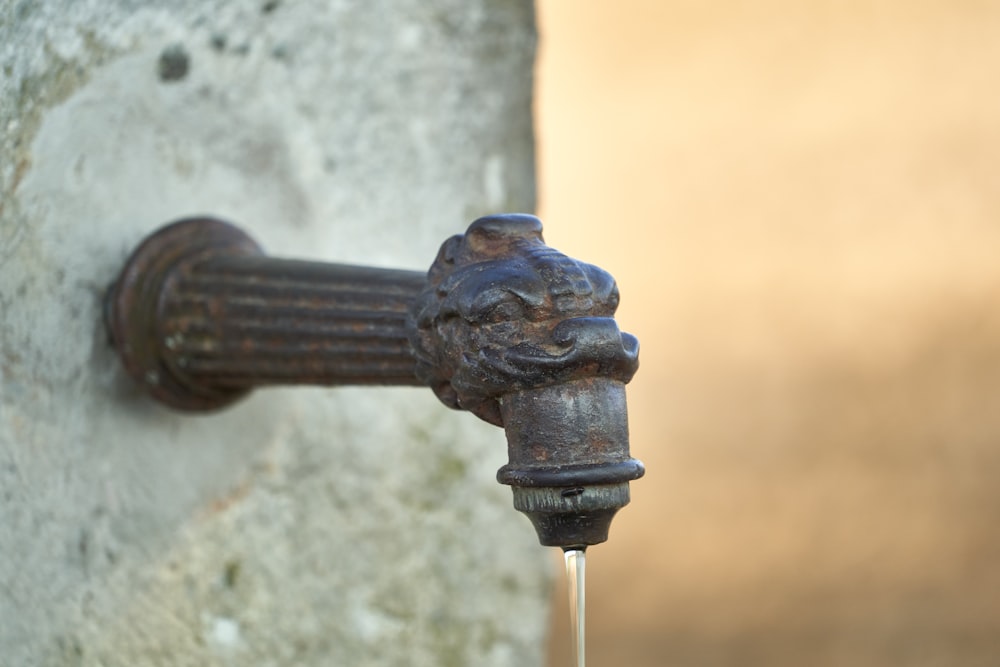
<point x="502" y="326"/>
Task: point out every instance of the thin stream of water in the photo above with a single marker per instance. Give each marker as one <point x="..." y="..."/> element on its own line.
<point x="576" y="568"/>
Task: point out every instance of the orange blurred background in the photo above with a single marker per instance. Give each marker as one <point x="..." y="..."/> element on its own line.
<point x="801" y="204"/>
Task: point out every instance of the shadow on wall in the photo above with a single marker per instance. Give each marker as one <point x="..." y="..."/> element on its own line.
<point x="799" y="203"/>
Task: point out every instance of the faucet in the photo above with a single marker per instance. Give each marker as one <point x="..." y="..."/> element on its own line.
<point x="501" y="326"/>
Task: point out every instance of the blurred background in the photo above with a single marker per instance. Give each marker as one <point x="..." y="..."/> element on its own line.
<point x="801" y="204"/>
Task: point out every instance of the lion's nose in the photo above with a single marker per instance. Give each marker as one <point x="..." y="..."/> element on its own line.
<point x="600" y="340"/>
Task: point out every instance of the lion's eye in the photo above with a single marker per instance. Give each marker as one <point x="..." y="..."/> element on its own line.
<point x="508" y="309"/>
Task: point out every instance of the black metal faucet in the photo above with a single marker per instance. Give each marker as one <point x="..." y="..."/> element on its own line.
<point x="502" y="326"/>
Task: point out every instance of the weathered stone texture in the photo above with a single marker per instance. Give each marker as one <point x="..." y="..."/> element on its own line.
<point x="304" y="526"/>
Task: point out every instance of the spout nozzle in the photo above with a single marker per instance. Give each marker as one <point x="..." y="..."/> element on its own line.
<point x="569" y="461"/>
<point x="571" y="517"/>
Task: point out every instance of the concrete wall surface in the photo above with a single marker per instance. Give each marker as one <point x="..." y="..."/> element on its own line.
<point x="347" y="526"/>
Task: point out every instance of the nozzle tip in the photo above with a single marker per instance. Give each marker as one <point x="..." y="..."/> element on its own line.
<point x="571" y="517"/>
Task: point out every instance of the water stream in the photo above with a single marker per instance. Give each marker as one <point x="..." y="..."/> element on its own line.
<point x="576" y="568"/>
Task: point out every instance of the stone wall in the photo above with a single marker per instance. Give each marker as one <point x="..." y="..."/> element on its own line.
<point x="347" y="526"/>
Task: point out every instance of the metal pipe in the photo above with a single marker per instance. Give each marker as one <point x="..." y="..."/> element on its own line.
<point x="200" y="316"/>
<point x="502" y="326"/>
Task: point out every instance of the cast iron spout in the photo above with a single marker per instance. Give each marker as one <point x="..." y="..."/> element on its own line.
<point x="502" y="326"/>
<point x="523" y="337"/>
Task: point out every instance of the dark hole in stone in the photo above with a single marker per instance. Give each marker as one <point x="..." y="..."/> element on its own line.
<point x="218" y="41"/>
<point x="174" y="63"/>
<point x="280" y="52"/>
<point x="269" y="6"/>
<point x="231" y="573"/>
